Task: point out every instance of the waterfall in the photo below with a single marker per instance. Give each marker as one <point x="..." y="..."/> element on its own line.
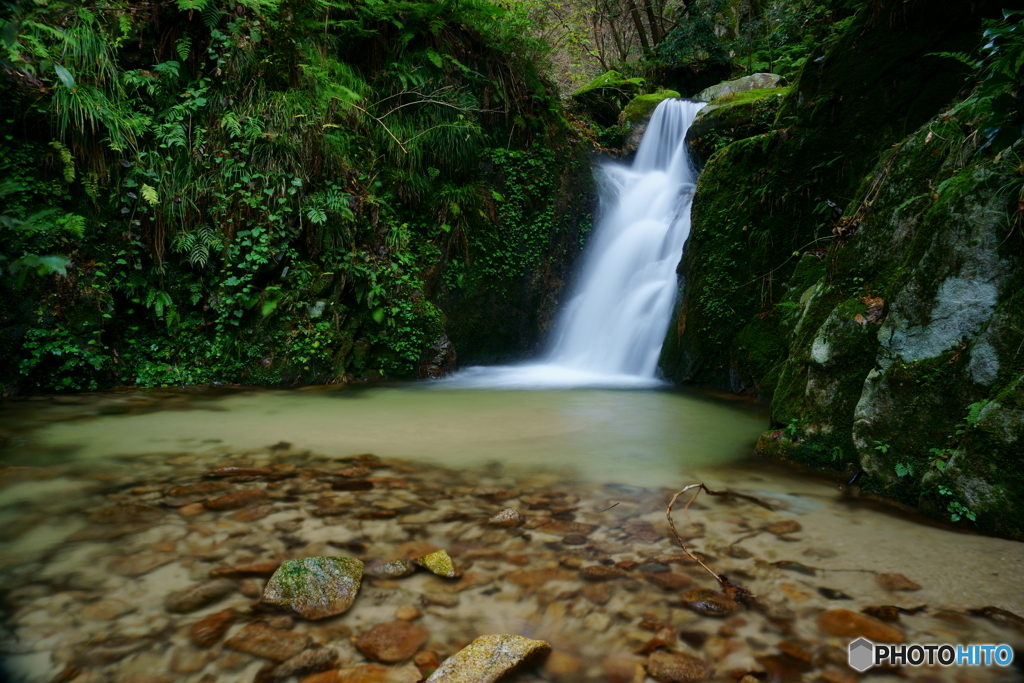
<point x="611" y="331"/>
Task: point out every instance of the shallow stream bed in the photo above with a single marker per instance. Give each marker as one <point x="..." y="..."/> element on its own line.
<point x="95" y="547"/>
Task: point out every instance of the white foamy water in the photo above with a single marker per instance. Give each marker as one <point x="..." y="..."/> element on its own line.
<point x="610" y="333"/>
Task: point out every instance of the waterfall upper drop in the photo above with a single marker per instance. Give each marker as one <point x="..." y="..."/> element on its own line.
<point x="611" y="331"/>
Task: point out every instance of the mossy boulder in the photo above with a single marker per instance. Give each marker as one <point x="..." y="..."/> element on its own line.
<point x="758" y="81"/>
<point x="642" y="106"/>
<point x="907" y="354"/>
<point x="605" y="96"/>
<point x="732" y="117"/>
<point x="637" y="114"/>
<point x="854" y="265"/>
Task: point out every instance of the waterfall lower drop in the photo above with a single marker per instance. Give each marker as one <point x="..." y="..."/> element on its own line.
<point x="610" y="334"/>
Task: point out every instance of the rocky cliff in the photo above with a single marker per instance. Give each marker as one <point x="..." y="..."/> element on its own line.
<point x="857" y="263"/>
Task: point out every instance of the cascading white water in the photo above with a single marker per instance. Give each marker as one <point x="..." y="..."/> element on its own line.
<point x="611" y="332"/>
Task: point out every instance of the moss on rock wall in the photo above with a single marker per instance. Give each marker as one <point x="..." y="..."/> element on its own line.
<point x="893" y="345"/>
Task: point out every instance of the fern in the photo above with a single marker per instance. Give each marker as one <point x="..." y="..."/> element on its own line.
<point x="66" y="160"/>
<point x="961" y="57"/>
<point x="150" y="195"/>
<point x="183" y="47"/>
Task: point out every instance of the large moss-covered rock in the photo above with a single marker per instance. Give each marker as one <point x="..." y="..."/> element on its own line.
<point x="732" y="117"/>
<point x="642" y="106"/>
<point x="908" y="355"/>
<point x="892" y="345"/>
<point x="762" y="198"/>
<point x="605" y="96"/>
<point x="637" y="114"/>
<point x="759" y="81"/>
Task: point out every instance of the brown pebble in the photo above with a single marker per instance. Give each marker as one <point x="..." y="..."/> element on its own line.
<point x="392" y="641"/>
<point x="251" y="588"/>
<point x="251" y="514"/>
<point x="234" y="501"/>
<point x="600" y="572"/>
<point x="310" y="661"/>
<point x="623" y="668"/>
<point x="669" y="581"/>
<point x="283" y="622"/>
<point x="408" y="613"/>
<point x="676" y="667"/>
<point x="843" y="622"/>
<point x="192" y="510"/>
<point x="710" y="603"/>
<point x="561" y="663"/>
<point x="887" y="613"/>
<point x="896" y="582"/>
<point x="560" y="528"/>
<point x="238" y="472"/>
<point x="787" y="526"/>
<point x="353" y="472"/>
<point x="238" y="571"/>
<point x="199" y="489"/>
<point x="795" y="650"/>
<point x="197" y="596"/>
<point x="269" y="643"/>
<point x="598" y="593"/>
<point x="208" y="631"/>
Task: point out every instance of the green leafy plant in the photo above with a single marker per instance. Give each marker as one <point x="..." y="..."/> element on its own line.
<point x="956" y="509"/>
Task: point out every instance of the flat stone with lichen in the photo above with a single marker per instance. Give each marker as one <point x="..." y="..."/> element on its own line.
<point x="488" y="658"/>
<point x="315" y="587"/>
<point x="439" y="563"/>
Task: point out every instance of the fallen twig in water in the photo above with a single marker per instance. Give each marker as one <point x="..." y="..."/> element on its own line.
<point x="734" y="591"/>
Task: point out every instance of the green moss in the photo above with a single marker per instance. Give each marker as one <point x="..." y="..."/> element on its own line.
<point x="609" y="79"/>
<point x="605" y="96"/>
<point x="644" y="105"/>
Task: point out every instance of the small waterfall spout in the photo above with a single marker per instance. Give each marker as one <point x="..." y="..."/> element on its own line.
<point x="611" y="331"/>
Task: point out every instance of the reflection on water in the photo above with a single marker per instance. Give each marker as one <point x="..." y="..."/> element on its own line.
<point x="110" y="506"/>
<point x="637" y="437"/>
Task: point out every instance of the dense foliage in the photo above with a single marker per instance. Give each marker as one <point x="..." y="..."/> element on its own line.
<point x="256" y="190"/>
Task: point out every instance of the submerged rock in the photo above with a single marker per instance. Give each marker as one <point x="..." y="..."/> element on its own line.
<point x="710" y="603"/>
<point x="507" y="518"/>
<point x="676" y="667"/>
<point x="269" y="643"/>
<point x="368" y="673"/>
<point x="392" y="641"/>
<point x="309" y="661"/>
<point x="438" y="563"/>
<point x="896" y="582"/>
<point x="235" y="501"/>
<point x="238" y="571"/>
<point x="209" y="630"/>
<point x="198" y="596"/>
<point x="488" y="658"/>
<point x="392" y="569"/>
<point x="843" y="622"/>
<point x="315" y="587"/>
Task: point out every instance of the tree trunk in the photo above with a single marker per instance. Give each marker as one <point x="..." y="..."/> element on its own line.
<point x="639" y="24"/>
<point x="652" y="22"/>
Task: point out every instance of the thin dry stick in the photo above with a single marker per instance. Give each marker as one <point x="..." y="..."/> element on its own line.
<point x="731" y="589"/>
